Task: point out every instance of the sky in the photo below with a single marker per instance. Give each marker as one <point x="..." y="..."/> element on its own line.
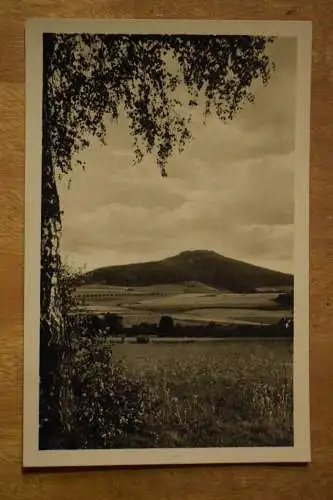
<point x="230" y="191"/>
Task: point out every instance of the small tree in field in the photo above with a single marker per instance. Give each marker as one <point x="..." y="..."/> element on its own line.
<point x="166" y="325"/>
<point x="87" y="81"/>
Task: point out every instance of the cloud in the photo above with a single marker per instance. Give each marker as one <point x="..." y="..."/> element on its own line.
<point x="168" y="215"/>
<point x="230" y="191"/>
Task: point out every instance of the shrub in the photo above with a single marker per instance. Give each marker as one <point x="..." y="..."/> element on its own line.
<point x="142" y="339"/>
<point x="108" y="409"/>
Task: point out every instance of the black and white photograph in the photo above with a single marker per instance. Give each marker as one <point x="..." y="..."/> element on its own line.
<point x="166" y="247"/>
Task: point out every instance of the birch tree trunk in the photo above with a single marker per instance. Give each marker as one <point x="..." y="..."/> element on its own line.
<point x="52" y="334"/>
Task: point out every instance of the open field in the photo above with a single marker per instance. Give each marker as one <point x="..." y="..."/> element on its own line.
<point x="190" y="303"/>
<point x="230" y="393"/>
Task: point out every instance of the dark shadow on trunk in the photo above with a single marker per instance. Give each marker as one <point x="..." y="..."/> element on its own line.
<point x="50" y="315"/>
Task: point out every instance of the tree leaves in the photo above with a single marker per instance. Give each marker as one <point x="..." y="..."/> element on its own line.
<point x="92" y="77"/>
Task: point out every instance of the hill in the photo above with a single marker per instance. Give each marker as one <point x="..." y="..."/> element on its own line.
<point x="203" y="266"/>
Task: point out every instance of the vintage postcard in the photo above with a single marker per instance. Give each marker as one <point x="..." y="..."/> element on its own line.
<point x="166" y="250"/>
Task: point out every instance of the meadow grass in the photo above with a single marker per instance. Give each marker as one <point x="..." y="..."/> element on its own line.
<point x="230" y="393"/>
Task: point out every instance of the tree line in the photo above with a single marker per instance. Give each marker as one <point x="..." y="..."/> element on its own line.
<point x="111" y="324"/>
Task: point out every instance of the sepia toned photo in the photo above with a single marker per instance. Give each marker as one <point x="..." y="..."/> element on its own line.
<point x="166" y="271"/>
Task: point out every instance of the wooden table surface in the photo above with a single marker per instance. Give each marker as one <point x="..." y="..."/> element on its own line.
<point x="314" y="481"/>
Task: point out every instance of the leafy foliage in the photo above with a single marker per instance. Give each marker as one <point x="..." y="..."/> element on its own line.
<point x="109" y="409"/>
<point x="95" y="77"/>
<point x="98" y="407"/>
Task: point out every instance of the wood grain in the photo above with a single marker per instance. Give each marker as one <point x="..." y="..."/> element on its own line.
<point x="314" y="481"/>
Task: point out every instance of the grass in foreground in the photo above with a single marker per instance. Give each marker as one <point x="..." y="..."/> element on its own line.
<point x="216" y="394"/>
<point x="202" y="394"/>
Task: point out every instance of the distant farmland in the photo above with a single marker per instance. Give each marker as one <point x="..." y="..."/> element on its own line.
<point x="188" y="303"/>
